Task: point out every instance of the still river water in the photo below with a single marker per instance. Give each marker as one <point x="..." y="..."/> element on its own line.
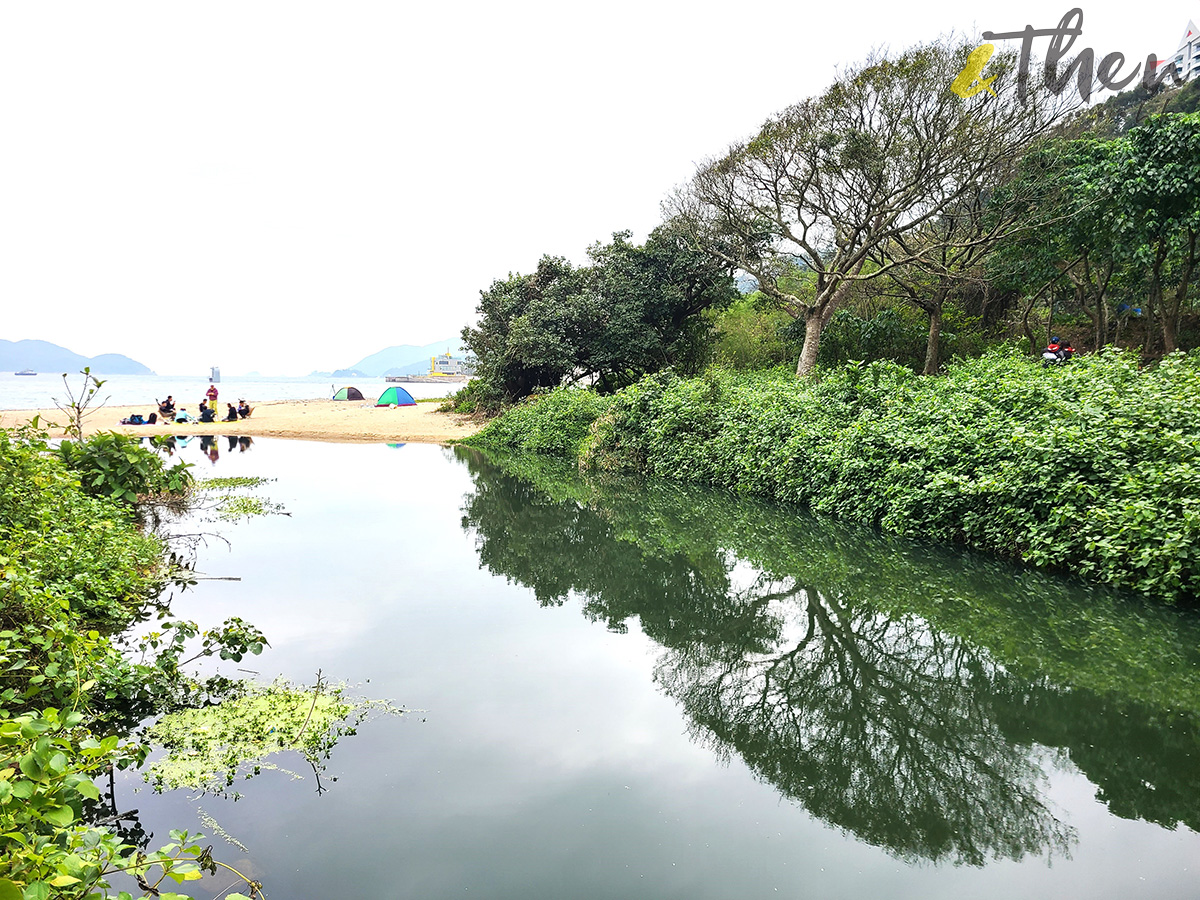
<point x="625" y="691"/>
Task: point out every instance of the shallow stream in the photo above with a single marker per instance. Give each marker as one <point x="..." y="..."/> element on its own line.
<point x="622" y="691"/>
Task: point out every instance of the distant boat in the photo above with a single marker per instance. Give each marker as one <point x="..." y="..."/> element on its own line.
<point x="27" y="372"/>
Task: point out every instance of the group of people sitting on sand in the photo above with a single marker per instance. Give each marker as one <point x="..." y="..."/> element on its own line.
<point x="207" y="412"/>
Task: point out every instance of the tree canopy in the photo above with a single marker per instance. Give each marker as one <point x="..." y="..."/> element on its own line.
<point x="633" y="310"/>
<point x="831" y="181"/>
<point x="1113" y="223"/>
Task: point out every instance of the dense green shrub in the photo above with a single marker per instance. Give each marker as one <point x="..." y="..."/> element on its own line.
<point x="64" y="552"/>
<point x="118" y="466"/>
<point x="554" y="423"/>
<point x="1094" y="467"/>
<point x="749" y="336"/>
<point x="898" y="335"/>
<point x="470" y="399"/>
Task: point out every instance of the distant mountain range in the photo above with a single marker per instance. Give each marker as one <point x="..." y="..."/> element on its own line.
<point x="404" y="359"/>
<point x="42" y="356"/>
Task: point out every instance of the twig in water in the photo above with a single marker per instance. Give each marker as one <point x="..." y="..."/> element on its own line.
<point x="316" y="694"/>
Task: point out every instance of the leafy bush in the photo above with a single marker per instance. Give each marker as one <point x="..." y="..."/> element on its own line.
<point x="896" y="335"/>
<point x="63" y="552"/>
<point x="118" y="466"/>
<point x="554" y="423"/>
<point x="1094" y="467"/>
<point x="963" y="335"/>
<point x="751" y="337"/>
<point x="472" y="398"/>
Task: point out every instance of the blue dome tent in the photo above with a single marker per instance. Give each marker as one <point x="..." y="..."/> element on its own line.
<point x="395" y="396"/>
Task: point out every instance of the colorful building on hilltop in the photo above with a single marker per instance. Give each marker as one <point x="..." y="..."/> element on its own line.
<point x="1187" y="57"/>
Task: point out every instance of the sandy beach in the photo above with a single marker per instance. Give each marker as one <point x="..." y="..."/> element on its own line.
<point x="313" y="420"/>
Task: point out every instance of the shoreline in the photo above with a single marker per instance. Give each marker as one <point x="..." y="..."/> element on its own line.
<point x="335" y="421"/>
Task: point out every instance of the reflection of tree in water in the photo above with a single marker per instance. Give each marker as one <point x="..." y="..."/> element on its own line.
<point x="878" y="724"/>
<point x="896" y="693"/>
<point x="557" y="547"/>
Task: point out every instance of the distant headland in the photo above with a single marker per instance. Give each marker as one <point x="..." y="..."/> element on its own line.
<point x="42" y="356"/>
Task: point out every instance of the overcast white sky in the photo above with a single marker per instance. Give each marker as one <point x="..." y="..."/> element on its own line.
<point x="284" y="187"/>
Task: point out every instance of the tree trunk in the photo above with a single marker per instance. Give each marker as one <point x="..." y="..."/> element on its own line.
<point x="1170" y="324"/>
<point x="817" y="316"/>
<point x="1026" y="327"/>
<point x="1081" y="300"/>
<point x="1153" y="301"/>
<point x="984" y="303"/>
<point x="812" y="341"/>
<point x="1102" y="311"/>
<point x="1168" y="329"/>
<point x="933" y="308"/>
<point x="933" y="347"/>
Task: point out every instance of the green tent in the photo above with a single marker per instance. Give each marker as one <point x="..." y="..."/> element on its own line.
<point x="395" y="396"/>
<point x="349" y="393"/>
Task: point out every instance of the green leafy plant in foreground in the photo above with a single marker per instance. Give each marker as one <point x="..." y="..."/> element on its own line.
<point x="48" y="757"/>
<point x="47" y="763"/>
<point x="118" y="466"/>
<point x="77" y="568"/>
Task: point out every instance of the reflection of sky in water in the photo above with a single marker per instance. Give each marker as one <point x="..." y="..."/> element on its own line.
<point x="544" y="760"/>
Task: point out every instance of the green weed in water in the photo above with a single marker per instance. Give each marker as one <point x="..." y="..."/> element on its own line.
<point x="209" y="748"/>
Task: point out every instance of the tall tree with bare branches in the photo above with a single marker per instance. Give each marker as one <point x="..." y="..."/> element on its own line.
<point x="880" y="155"/>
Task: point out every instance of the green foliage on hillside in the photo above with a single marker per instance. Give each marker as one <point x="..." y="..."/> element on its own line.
<point x="1128" y="109"/>
<point x="1110" y="226"/>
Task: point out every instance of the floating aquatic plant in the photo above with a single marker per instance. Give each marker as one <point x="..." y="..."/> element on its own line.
<point x="208" y="749"/>
<point x="231" y="506"/>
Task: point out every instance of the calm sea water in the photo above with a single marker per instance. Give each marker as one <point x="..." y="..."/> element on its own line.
<point x="648" y="691"/>
<point x="40" y="391"/>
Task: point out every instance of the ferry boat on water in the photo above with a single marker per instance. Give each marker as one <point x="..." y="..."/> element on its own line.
<point x="26" y="372"/>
